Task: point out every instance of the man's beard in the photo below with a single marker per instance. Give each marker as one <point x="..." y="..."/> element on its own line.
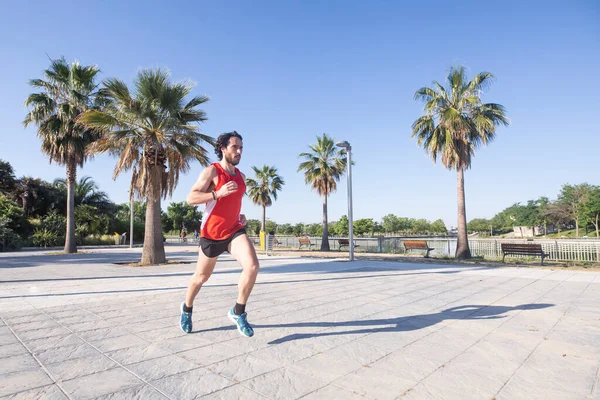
<point x="232" y="160"/>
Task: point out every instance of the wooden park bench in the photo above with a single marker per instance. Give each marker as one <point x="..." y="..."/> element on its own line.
<point x="304" y="241"/>
<point x="417" y="245"/>
<point x="522" y="249"/>
<point x="276" y="242"/>
<point x="344" y="242"/>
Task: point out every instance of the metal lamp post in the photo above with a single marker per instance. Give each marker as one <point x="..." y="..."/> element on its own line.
<point x="131" y="220"/>
<point x="348" y="148"/>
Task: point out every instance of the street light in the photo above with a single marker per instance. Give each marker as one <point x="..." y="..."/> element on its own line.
<point x="130" y="220"/>
<point x="348" y="148"/>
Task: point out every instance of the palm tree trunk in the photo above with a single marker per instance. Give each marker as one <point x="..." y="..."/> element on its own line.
<point x="325" y="237"/>
<point x="576" y="227"/>
<point x="25" y="199"/>
<point x="70" y="243"/>
<point x="462" y="245"/>
<point x="596" y="225"/>
<point x="264" y="218"/>
<point x="154" y="249"/>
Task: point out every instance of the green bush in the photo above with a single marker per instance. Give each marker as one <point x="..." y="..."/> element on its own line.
<point x="44" y="238"/>
<point x="9" y="240"/>
<point x="96" y="240"/>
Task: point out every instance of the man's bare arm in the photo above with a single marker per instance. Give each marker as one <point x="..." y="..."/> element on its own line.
<point x="201" y="192"/>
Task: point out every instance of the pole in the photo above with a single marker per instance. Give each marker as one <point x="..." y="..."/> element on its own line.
<point x="350" y="221"/>
<point x="131" y="220"/>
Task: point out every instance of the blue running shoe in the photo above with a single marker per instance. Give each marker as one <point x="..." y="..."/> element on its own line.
<point x="241" y="322"/>
<point x="186" y="320"/>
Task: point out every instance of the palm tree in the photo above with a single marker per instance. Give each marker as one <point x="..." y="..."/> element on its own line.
<point x="455" y="124"/>
<point x="323" y="166"/>
<point x="67" y="90"/>
<point x="151" y="129"/>
<point x="263" y="190"/>
<point x="86" y="192"/>
<point x="27" y="190"/>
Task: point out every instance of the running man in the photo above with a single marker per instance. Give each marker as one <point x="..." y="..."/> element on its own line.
<point x="221" y="187"/>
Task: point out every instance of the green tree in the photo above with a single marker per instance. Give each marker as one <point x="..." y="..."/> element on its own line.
<point x="182" y="214"/>
<point x="89" y="220"/>
<point x="271" y="226"/>
<point x="299" y="229"/>
<point x="455" y="124"/>
<point x="285" y="229"/>
<point x="323" y="166"/>
<point x="9" y="240"/>
<point x="390" y="224"/>
<point x="438" y="226"/>
<point x="558" y="214"/>
<point x="153" y="130"/>
<point x="7" y="178"/>
<point x="66" y="91"/>
<point x="591" y="209"/>
<point x="575" y="198"/>
<point x="543" y="203"/>
<point x="27" y="191"/>
<point x="422" y="226"/>
<point x="87" y="193"/>
<point x="342" y="226"/>
<point x="15" y="217"/>
<point x="263" y="188"/>
<point x="253" y="226"/>
<point x="481" y="225"/>
<point x="363" y="226"/>
<point x="314" y="230"/>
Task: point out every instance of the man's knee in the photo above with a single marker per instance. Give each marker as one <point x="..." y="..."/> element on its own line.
<point x="253" y="268"/>
<point x="200" y="279"/>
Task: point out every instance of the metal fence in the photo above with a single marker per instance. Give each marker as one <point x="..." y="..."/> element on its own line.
<point x="558" y="250"/>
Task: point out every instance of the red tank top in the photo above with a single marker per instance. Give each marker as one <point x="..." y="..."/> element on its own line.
<point x="221" y="218"/>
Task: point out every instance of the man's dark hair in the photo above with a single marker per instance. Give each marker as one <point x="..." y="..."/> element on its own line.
<point x="223" y="141"/>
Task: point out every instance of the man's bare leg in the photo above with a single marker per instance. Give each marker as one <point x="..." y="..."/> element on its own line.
<point x="204" y="269"/>
<point x="242" y="249"/>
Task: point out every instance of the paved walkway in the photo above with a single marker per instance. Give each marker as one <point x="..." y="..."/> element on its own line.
<point x="83" y="327"/>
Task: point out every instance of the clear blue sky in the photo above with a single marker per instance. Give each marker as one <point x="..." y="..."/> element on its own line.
<point x="283" y="72"/>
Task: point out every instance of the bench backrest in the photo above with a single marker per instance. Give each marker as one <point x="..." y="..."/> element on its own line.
<point x="521" y="247"/>
<point x="415" y="244"/>
<point x="343" y="241"/>
<point x="304" y="240"/>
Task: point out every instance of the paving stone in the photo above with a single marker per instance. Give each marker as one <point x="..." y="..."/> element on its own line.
<point x="17" y="363"/>
<point x="15" y="382"/>
<point x="59" y="354"/>
<point x="141" y="392"/>
<point x="374" y="383"/>
<point x="191" y="384"/>
<point x="234" y="392"/>
<point x="50" y="392"/>
<point x="161" y="367"/>
<point x="284" y="383"/>
<point x="332" y="392"/>
<point x="119" y="342"/>
<point x="211" y="354"/>
<point x="132" y="355"/>
<point x="74" y="368"/>
<point x="13" y="349"/>
<point x="326" y="367"/>
<point x="242" y="367"/>
<point x="101" y="383"/>
<point x="178" y="344"/>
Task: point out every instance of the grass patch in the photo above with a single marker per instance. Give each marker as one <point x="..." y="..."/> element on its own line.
<point x="62" y="253"/>
<point x="138" y="263"/>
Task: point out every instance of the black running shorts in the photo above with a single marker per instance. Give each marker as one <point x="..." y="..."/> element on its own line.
<point x="214" y="248"/>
